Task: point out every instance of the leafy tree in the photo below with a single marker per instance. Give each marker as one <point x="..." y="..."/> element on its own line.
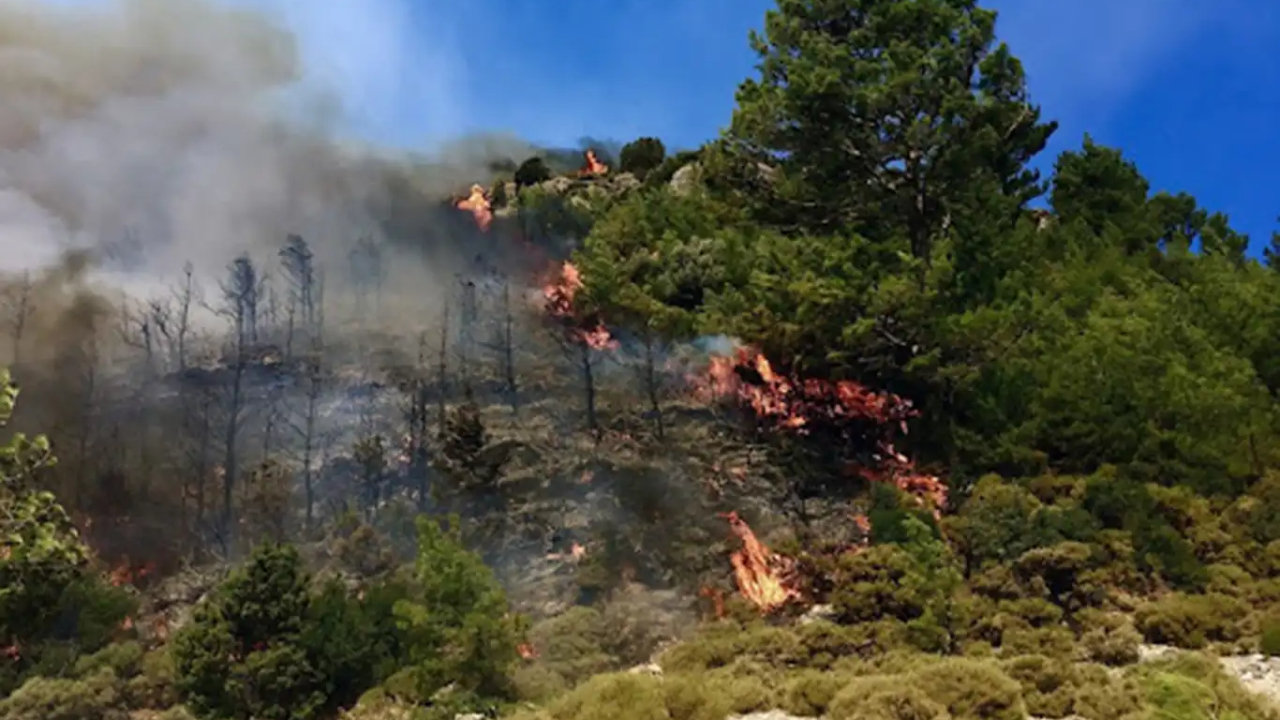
<point x="52" y="604"/>
<point x="1098" y="187"/>
<point x="269" y="645"/>
<point x="889" y="119"/>
<point x="241" y="654"/>
<point x="459" y="629"/>
<point x="642" y="155"/>
<point x="531" y="172"/>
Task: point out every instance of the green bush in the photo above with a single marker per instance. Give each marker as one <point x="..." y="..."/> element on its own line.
<point x="870" y="586"/>
<point x="241" y="654"/>
<point x="96" y="696"/>
<point x="458" y="627"/>
<point x="617" y="696"/>
<point x="1191" y="621"/>
<point x="641" y="156"/>
<point x="1192" y="686"/>
<point x="1269" y="636"/>
<point x="531" y="172"/>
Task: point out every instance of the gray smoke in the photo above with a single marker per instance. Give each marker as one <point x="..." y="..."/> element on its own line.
<point x="156" y="132"/>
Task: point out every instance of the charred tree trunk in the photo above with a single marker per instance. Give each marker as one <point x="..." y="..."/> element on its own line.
<point x="509" y="351"/>
<point x="651" y="385"/>
<point x="589" y="388"/>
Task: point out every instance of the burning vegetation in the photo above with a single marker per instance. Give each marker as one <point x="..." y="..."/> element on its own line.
<point x="764" y="577"/>
<point x="477" y="203"/>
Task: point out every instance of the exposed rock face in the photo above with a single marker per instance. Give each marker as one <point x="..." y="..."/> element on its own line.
<point x="1258" y="673"/>
<point x="686" y="178"/>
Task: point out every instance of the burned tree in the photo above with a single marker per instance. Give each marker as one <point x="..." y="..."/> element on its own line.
<point x="20" y="306"/>
<point x="367" y="273"/>
<point x="304" y="428"/>
<point x="370" y="453"/>
<point x="581" y="333"/>
<point x="240" y="307"/>
<point x="300" y="272"/>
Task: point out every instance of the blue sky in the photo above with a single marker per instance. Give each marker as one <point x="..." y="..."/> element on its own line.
<point x="1190" y="89"/>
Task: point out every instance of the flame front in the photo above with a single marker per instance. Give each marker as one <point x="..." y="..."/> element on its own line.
<point x="763" y="577"/>
<point x="477" y="203"/>
<point x="749" y="378"/>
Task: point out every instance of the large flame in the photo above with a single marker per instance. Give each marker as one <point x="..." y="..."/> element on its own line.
<point x="763" y="577"/>
<point x="586" y="329"/>
<point x="477" y="203"/>
<point x="592" y="167"/>
<point x="747" y="377"/>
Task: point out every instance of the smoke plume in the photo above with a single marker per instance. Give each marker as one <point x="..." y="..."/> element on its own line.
<point x="156" y="132"/>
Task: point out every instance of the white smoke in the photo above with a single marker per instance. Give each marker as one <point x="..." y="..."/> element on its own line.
<point x="157" y="132"/>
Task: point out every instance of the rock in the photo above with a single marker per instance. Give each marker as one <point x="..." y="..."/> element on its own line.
<point x="686" y="178"/>
<point x="818" y="612"/>
<point x="647" y="669"/>
<point x="768" y="715"/>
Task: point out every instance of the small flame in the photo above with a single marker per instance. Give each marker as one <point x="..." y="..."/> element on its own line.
<point x="127" y="574"/>
<point x="527" y="651"/>
<point x="477" y="203"/>
<point x="12" y="651"/>
<point x="592" y="167"/>
<point x="716" y="596"/>
<point x="762" y="575"/>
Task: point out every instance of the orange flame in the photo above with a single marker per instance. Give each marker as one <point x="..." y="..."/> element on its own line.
<point x="592" y="166"/>
<point x="527" y="651"/>
<point x="478" y="205"/>
<point x="716" y="596"/>
<point x="762" y="575"/>
<point x="127" y="574"/>
<point x="585" y="329"/>
<point x="750" y="379"/>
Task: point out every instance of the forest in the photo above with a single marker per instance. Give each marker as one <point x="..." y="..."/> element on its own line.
<point x="849" y="413"/>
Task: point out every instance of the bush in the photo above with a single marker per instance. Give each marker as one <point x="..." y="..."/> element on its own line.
<point x="870" y="586"/>
<point x="617" y="696"/>
<point x="1110" y="639"/>
<point x="459" y="628"/>
<point x="241" y="654"/>
<point x="642" y="155"/>
<point x="1269" y="636"/>
<point x="1193" y="686"/>
<point x="1191" y="621"/>
<point x="531" y="172"/>
<point x="972" y="689"/>
<point x="95" y="697"/>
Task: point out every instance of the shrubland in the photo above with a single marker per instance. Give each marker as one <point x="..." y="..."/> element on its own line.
<point x="862" y="419"/>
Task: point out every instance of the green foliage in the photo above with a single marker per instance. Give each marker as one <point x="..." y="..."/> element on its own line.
<point x="458" y="627"/>
<point x="642" y="155"/>
<point x="52" y="605"/>
<point x="269" y="645"/>
<point x="531" y="172"/>
<point x="1191" y="621"/>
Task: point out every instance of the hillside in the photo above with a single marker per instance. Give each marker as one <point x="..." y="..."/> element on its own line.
<point x="848" y="414"/>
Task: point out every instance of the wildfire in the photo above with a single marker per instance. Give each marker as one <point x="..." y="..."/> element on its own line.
<point x="576" y="553"/>
<point x="477" y="203"/>
<point x="592" y="166"/>
<point x="749" y="378"/>
<point x="761" y="574"/>
<point x="127" y="574"/>
<point x="559" y="296"/>
<point x="527" y="651"/>
<point x="716" y="596"/>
